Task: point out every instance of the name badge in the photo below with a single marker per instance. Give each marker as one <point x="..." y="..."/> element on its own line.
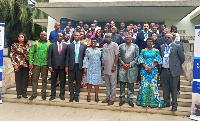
<point x="166" y="59"/>
<point x="166" y="55"/>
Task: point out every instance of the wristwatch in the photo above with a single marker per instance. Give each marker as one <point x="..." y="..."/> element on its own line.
<point x="114" y="65"/>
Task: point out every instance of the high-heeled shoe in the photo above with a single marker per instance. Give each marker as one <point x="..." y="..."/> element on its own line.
<point x="88" y="98"/>
<point x="96" y="98"/>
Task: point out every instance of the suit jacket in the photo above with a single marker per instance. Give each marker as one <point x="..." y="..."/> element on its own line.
<point x="176" y="59"/>
<point x="180" y="43"/>
<point x="55" y="59"/>
<point x="161" y="40"/>
<point x="70" y="58"/>
<point x="140" y="40"/>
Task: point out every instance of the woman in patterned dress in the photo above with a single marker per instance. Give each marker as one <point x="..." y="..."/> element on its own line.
<point x="148" y="95"/>
<point x="19" y="57"/>
<point x="92" y="69"/>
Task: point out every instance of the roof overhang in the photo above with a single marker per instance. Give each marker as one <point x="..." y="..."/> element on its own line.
<point x="41" y="22"/>
<point x="137" y="11"/>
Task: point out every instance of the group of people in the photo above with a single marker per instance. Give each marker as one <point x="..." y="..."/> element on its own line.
<point x="131" y="56"/>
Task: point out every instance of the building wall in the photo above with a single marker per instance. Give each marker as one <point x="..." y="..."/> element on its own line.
<point x="185" y="25"/>
<point x="50" y="26"/>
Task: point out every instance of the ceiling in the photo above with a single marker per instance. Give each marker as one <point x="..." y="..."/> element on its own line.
<point x="119" y="14"/>
<point x="126" y="11"/>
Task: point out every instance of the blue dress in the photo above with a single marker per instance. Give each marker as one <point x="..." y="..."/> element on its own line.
<point x="148" y="94"/>
<point x="92" y="61"/>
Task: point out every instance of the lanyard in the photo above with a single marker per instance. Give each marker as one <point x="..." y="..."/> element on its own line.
<point x="167" y="48"/>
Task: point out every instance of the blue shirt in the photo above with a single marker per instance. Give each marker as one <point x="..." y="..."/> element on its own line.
<point x="53" y="35"/>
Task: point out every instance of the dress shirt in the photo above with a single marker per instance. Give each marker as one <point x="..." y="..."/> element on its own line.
<point x="76" y="51"/>
<point x="145" y="35"/>
<point x="166" y="55"/>
<point x="58" y="45"/>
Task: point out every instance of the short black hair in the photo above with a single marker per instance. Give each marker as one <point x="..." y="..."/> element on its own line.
<point x="145" y="23"/>
<point x="93" y="39"/>
<point x="25" y="38"/>
<point x="150" y="38"/>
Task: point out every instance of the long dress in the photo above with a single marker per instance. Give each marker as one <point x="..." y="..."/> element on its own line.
<point x="92" y="61"/>
<point x="148" y="94"/>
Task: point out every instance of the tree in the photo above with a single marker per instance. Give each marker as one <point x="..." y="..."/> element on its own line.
<point x="18" y="18"/>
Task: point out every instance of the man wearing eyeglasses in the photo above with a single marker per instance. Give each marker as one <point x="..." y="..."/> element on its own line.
<point x="173" y="58"/>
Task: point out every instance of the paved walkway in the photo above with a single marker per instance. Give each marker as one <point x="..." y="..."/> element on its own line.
<point x="27" y="112"/>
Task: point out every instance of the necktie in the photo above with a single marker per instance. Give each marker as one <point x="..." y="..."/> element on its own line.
<point x="59" y="50"/>
<point x="77" y="52"/>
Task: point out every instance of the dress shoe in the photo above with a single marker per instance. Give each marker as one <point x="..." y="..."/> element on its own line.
<point x="51" y="98"/>
<point x="33" y="96"/>
<point x="57" y="85"/>
<point x="96" y="98"/>
<point x="106" y="101"/>
<point x="43" y="97"/>
<point x="62" y="97"/>
<point x="174" y="108"/>
<point x="19" y="96"/>
<point x="121" y="103"/>
<point x="25" y="96"/>
<point x="88" y="98"/>
<point x="110" y="102"/>
<point x="71" y="99"/>
<point x="76" y="99"/>
<point x="166" y="105"/>
<point x="131" y="103"/>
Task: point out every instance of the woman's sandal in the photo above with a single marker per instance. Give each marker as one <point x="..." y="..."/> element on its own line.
<point x="88" y="98"/>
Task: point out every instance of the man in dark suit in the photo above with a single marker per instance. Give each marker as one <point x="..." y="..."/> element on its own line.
<point x="74" y="63"/>
<point x="173" y="57"/>
<point x="142" y="36"/>
<point x="56" y="63"/>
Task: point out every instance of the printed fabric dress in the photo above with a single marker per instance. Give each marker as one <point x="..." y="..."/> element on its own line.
<point x="148" y="94"/>
<point x="92" y="61"/>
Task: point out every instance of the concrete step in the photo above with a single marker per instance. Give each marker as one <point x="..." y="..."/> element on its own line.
<point x="182" y="77"/>
<point x="102" y="96"/>
<point x="102" y="89"/>
<point x="184" y="88"/>
<point x="182" y="111"/>
<point x="185" y="85"/>
<point x="183" y="82"/>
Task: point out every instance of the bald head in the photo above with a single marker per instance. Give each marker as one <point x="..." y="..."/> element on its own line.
<point x="168" y="39"/>
<point x="59" y="37"/>
<point x="108" y="38"/>
<point x="57" y="26"/>
<point x="114" y="30"/>
<point x="43" y="36"/>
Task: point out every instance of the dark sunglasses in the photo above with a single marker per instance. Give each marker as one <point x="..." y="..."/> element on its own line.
<point x="167" y="37"/>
